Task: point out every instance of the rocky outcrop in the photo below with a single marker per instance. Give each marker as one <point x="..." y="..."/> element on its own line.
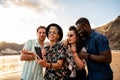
<point x="112" y="31"/>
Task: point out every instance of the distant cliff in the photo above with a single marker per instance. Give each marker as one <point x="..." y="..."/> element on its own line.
<point x="112" y="31"/>
<point x="13" y="46"/>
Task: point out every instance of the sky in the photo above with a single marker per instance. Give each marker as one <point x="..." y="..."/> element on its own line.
<point x="19" y="19"/>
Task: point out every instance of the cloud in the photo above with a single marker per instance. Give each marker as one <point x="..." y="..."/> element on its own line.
<point x="32" y="4"/>
<point x="18" y="15"/>
<point x="45" y="9"/>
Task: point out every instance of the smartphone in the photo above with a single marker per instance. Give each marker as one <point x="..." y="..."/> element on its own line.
<point x="38" y="51"/>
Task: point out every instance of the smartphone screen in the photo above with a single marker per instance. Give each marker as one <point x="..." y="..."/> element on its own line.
<point x="38" y="51"/>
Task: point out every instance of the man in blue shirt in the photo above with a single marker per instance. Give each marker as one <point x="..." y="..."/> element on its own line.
<point x="98" y="55"/>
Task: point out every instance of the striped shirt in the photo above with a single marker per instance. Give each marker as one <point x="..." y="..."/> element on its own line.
<point x="31" y="69"/>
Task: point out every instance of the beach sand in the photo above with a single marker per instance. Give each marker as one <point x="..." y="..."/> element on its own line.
<point x="12" y="76"/>
<point x="115" y="67"/>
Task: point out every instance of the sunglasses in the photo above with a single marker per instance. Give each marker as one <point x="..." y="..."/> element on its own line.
<point x="50" y="32"/>
<point x="70" y="35"/>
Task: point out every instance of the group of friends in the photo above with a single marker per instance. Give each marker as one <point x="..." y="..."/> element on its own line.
<point x="66" y="60"/>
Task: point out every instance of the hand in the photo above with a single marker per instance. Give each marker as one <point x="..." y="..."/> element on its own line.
<point x="72" y="49"/>
<point x="43" y="52"/>
<point x="29" y="54"/>
<point x="83" y="55"/>
<point x="42" y="62"/>
<point x="26" y="52"/>
<point x="34" y="56"/>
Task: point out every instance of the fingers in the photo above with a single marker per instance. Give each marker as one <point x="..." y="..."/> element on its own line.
<point x="69" y="47"/>
<point x="37" y="57"/>
<point x="41" y="61"/>
<point x="72" y="49"/>
<point x="24" y="51"/>
<point x="44" y="58"/>
<point x="43" y="52"/>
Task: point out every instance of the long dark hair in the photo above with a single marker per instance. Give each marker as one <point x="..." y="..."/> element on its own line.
<point x="80" y="42"/>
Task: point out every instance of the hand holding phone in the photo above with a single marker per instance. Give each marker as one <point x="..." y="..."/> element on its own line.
<point x="38" y="51"/>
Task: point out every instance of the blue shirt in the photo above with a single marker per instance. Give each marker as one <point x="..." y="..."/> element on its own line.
<point x="96" y="44"/>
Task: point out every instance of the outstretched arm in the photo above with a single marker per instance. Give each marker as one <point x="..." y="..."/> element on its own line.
<point x="27" y="55"/>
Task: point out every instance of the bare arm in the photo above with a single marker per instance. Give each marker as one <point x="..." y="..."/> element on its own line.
<point x="103" y="57"/>
<point x="80" y="64"/>
<point x="27" y="56"/>
<point x="57" y="65"/>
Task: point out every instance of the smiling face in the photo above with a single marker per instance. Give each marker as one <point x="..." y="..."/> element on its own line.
<point x="71" y="37"/>
<point x="83" y="30"/>
<point x="53" y="34"/>
<point x="41" y="33"/>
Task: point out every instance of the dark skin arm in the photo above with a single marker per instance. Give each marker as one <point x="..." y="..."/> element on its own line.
<point x="104" y="57"/>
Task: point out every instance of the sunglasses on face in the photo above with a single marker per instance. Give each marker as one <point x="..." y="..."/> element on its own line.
<point x="50" y="32"/>
<point x="70" y="35"/>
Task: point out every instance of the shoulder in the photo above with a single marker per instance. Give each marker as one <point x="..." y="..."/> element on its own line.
<point x="99" y="36"/>
<point x="64" y="43"/>
<point x="101" y="40"/>
<point x="30" y="41"/>
<point x="61" y="46"/>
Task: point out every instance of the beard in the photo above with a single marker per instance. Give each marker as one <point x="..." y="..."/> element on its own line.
<point x="84" y="36"/>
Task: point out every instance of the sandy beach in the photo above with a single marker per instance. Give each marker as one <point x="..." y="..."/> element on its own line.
<point x="115" y="67"/>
